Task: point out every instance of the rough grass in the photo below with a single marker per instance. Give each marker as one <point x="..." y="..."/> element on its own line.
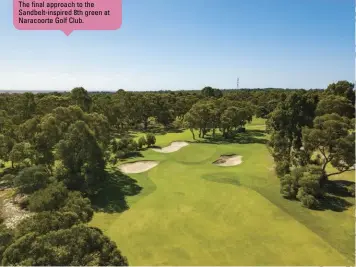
<point x="191" y="212"/>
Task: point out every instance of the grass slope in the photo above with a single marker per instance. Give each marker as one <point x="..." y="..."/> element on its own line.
<point x="191" y="212"/>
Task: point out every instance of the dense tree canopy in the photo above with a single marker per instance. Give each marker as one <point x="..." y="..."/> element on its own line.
<point x="58" y="149"/>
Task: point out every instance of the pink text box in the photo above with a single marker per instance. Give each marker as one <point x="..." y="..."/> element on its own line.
<point x="67" y="15"/>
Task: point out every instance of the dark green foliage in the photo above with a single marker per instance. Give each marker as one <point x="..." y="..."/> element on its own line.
<point x="289" y="186"/>
<point x="7" y="180"/>
<point x="285" y="124"/>
<point x="6" y="238"/>
<point x="48" y="199"/>
<point x="81" y="98"/>
<point x="307" y="200"/>
<point x="344" y="89"/>
<point x="211" y="92"/>
<point x="44" y="222"/>
<point x="22" y="154"/>
<point x="32" y="179"/>
<point x="82" y="159"/>
<point x="335" y="104"/>
<point x="141" y="142"/>
<point x="304" y="184"/>
<point x="124" y="147"/>
<point x="150" y="139"/>
<point x="6" y="145"/>
<point x="282" y="168"/>
<point x="78" y="245"/>
<point x="81" y="206"/>
<point x="332" y="139"/>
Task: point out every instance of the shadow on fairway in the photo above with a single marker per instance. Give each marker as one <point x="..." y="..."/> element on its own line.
<point x="222" y="177"/>
<point x="336" y="191"/>
<point x="339" y="187"/>
<point x="112" y="196"/>
<point x="248" y="137"/>
<point x="334" y="203"/>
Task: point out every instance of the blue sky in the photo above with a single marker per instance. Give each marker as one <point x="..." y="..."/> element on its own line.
<point x="188" y="44"/>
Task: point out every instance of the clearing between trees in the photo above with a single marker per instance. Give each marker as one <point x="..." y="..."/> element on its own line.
<point x="191" y="213"/>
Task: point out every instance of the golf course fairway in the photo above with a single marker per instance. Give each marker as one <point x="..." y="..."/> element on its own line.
<point x="192" y="212"/>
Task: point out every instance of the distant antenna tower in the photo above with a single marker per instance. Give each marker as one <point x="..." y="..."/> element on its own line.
<point x="238" y="83"/>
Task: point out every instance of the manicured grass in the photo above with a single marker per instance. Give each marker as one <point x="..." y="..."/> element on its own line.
<point x="191" y="212"/>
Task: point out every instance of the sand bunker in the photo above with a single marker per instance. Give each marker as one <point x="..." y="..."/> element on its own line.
<point x="173" y="147"/>
<point x="228" y="160"/>
<point x="138" y="166"/>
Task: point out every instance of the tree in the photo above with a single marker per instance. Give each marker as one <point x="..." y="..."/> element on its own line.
<point x="82" y="159"/>
<point x="99" y="124"/>
<point x="141" y="142"/>
<point x="200" y="117"/>
<point x="47" y="136"/>
<point x="150" y="139"/>
<point x="81" y="206"/>
<point x="331" y="137"/>
<point x="342" y="88"/>
<point x="46" y="221"/>
<point x="81" y="98"/>
<point x="211" y="92"/>
<point x="27" y="130"/>
<point x="285" y="124"/>
<point x="6" y="238"/>
<point x="22" y="153"/>
<point x="6" y="124"/>
<point x="48" y="103"/>
<point x="32" y="179"/>
<point x="50" y="198"/>
<point x="78" y="245"/>
<point x="335" y="104"/>
<point x="6" y="145"/>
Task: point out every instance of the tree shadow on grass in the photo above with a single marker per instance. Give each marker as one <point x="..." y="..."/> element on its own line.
<point x="248" y="137"/>
<point x="112" y="196"/>
<point x="335" y="192"/>
<point x="339" y="187"/>
<point x="329" y="202"/>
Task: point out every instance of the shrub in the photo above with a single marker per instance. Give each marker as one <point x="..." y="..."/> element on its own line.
<point x="132" y="146"/>
<point x="282" y="168"/>
<point x="31" y="179"/>
<point x="79" y="205"/>
<point x="141" y="142"/>
<point x="151" y="139"/>
<point x="307" y="200"/>
<point x="8" y="180"/>
<point x="288" y="187"/>
<point x="48" y="199"/>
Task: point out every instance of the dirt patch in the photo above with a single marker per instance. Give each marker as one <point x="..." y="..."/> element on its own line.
<point x="173" y="147"/>
<point x="138" y="166"/>
<point x="12" y="213"/>
<point x="228" y="160"/>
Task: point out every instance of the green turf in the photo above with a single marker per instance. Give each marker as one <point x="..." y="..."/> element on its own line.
<point x="191" y="212"/>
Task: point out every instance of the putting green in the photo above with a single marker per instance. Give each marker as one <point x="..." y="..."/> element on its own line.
<point x="191" y="212"/>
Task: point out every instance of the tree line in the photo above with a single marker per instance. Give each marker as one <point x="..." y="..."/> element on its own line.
<point x="308" y="133"/>
<point x="60" y="146"/>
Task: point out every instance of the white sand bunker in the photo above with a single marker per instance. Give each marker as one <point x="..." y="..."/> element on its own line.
<point x="138" y="166"/>
<point x="228" y="160"/>
<point x="173" y="147"/>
